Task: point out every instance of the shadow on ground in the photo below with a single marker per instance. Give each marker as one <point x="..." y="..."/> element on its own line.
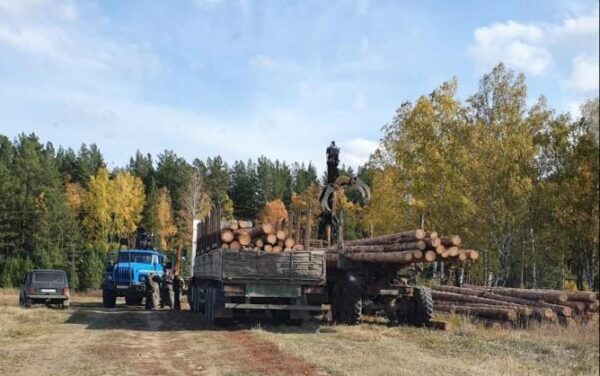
<point x="95" y="317"/>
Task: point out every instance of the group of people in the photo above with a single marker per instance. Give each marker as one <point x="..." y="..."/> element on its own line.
<point x="165" y="291"/>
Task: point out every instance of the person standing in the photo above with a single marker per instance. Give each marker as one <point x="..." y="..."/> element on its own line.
<point x="167" y="289"/>
<point x="178" y="288"/>
<point x="155" y="283"/>
<point x="149" y="292"/>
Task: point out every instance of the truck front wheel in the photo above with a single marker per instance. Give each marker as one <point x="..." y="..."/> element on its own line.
<point x="422" y="311"/>
<point x="348" y="304"/>
<point x="109" y="299"/>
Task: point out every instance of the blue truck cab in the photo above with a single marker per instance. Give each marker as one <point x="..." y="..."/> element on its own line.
<point x="127" y="276"/>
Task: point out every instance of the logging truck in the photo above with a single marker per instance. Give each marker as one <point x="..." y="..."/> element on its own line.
<point x="232" y="281"/>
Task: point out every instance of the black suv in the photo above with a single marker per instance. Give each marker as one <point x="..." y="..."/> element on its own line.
<point x="45" y="286"/>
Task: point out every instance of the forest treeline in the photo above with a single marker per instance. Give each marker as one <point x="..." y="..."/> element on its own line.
<point x="518" y="181"/>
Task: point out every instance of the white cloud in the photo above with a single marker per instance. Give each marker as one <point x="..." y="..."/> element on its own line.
<point x="55" y="34"/>
<point x="515" y="44"/>
<point x="585" y="76"/>
<point x="534" y="48"/>
<point x="356" y="152"/>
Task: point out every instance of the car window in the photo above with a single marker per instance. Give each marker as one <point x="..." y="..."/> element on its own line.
<point x="48" y="277"/>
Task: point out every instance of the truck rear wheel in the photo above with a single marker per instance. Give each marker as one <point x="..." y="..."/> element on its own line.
<point x="423" y="307"/>
<point x="349" y="302"/>
<point x="109" y="299"/>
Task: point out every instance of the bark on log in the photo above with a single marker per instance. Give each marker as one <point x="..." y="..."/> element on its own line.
<point x="433" y="243"/>
<point x="491" y="313"/>
<point x="521" y="311"/>
<point x="227" y="236"/>
<point x="452" y="240"/>
<point x="559" y="310"/>
<point x="391" y="257"/>
<point x="393" y="238"/>
<point x="576" y="306"/>
<point x="458" y="290"/>
<point x="235" y="245"/>
<point x="394" y="247"/>
<point x="583" y="296"/>
<point x="450" y="296"/>
<point x="547" y="296"/>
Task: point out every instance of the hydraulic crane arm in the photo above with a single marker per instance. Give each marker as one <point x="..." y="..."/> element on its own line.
<point x="343" y="182"/>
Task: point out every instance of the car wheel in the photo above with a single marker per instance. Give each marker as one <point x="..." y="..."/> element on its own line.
<point x="28" y="303"/>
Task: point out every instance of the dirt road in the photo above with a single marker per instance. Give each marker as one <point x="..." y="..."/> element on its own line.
<point x="90" y="340"/>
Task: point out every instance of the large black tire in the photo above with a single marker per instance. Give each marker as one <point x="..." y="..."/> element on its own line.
<point x="208" y="304"/>
<point x="422" y="313"/>
<point x="350" y="304"/>
<point x="109" y="299"/>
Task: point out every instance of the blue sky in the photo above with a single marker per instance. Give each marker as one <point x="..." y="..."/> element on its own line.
<point x="281" y="78"/>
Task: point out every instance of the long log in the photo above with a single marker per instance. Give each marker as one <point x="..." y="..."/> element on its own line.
<point x="473" y="255"/>
<point x="452" y="240"/>
<point x="432" y="235"/>
<point x="233" y="225"/>
<point x="440" y="249"/>
<point x="244" y="224"/>
<point x="521" y="311"/>
<point x="577" y="306"/>
<point x="394" y="247"/>
<point x="559" y="310"/>
<point x="583" y="296"/>
<point x="277" y="249"/>
<point x="259" y="243"/>
<point x="268" y="248"/>
<point x="393" y="238"/>
<point x="450" y="296"/>
<point x="458" y="290"/>
<point x="235" y="245"/>
<point x="491" y="313"/>
<point x="417" y="254"/>
<point x="224" y="246"/>
<point x="463" y="256"/>
<point x="391" y="257"/>
<point x="300" y="247"/>
<point x="593" y="307"/>
<point x="547" y="296"/>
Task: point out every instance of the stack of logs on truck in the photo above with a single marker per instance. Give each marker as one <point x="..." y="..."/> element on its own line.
<point x="267" y="237"/>
<point x="517" y="307"/>
<point x="234" y="278"/>
<point x="408" y="247"/>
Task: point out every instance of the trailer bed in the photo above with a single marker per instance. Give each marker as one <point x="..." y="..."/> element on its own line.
<point x="307" y="267"/>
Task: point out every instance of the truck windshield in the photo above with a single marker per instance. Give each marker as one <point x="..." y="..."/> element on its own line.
<point x="48" y="277"/>
<point x="144" y="258"/>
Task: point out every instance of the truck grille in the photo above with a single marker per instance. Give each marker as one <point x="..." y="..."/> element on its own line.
<point x="124" y="274"/>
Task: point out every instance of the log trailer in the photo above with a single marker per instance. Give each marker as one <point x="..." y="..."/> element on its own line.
<point x="369" y="285"/>
<point x="230" y="284"/>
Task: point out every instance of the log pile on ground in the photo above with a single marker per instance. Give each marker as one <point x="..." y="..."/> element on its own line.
<point x="406" y="247"/>
<point x="243" y="235"/>
<point x="517" y="306"/>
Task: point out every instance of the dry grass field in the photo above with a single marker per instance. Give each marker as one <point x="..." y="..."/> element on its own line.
<point x="90" y="340"/>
